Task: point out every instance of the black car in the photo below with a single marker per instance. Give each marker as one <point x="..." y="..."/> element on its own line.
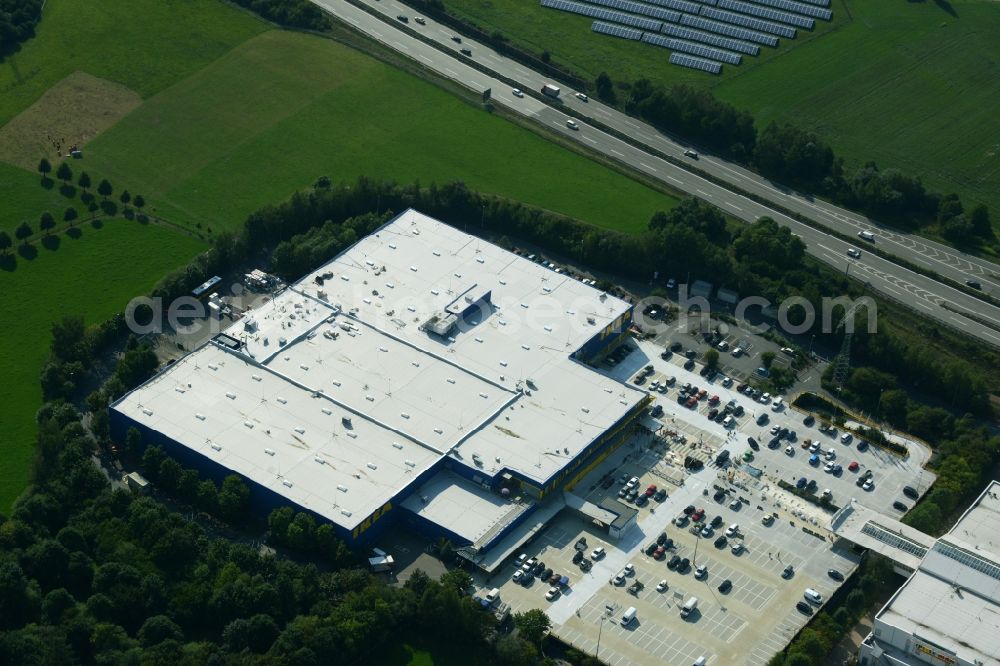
<point x="689" y="509"/>
<point x="661" y="539"/>
<point x="725" y="586"/>
<point x="684" y="565"/>
<point x="762" y="419"/>
<point x="691" y="353"/>
<point x="809" y="420"/>
<point x="641" y="500"/>
<point x="910" y="492"/>
<point x="585" y="564"/>
<point x="656" y="411"/>
<point x="803" y="607"/>
<point x="689" y="364"/>
<point x="650" y="548"/>
<point x="861" y="481"/>
<point x="834" y="574"/>
<point x="753" y="443"/>
<point x="774" y="443"/>
<point x="458" y="40"/>
<point x="738" y="410"/>
<point x="546" y="574"/>
<point x="704" y="371"/>
<point x="719" y="496"/>
<point x="716" y="521"/>
<point x="899" y="506"/>
<point x="402" y="18"/>
<point x="666" y="354"/>
<point x="577" y="556"/>
<point x="676" y="346"/>
<point x="668" y="544"/>
<point x="973" y="284"/>
<point x="721" y="541"/>
<point x="466" y="52"/>
<point x="660" y="495"/>
<point x="607" y="483"/>
<point x="540" y="568"/>
<point x="674" y="561"/>
<point x="722" y="457"/>
<point x="862" y="445"/>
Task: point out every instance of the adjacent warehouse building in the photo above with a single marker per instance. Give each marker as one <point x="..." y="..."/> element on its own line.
<point x="948" y="611"/>
<point x="423" y="375"/>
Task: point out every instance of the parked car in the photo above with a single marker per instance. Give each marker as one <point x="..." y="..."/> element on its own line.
<point x="674" y="561"/>
<point x="788" y="572"/>
<point x="899" y="506"/>
<point x="577" y="556"/>
<point x="660" y="495"/>
<point x="716" y="521"/>
<point x="721" y="542"/>
<point x="725" y="586"/>
<point x="910" y="492"/>
<point x="738" y="548"/>
<point x="701" y="572"/>
<point x="809" y="420"/>
<point x="803" y="607"/>
<point x="834" y="574"/>
<point x="597" y="553"/>
<point x="862" y="446"/>
<point x="662" y="586"/>
<point x="659" y="553"/>
<point x="552" y="594"/>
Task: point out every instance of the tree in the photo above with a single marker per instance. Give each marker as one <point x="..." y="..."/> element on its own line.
<point x="532" y="625"/>
<point x="64" y="173"/>
<point x="44" y="168"/>
<point x="234" y="498"/>
<point x="125" y="197"/>
<point x="157" y="629"/>
<point x="711" y="359"/>
<point x="139" y="202"/>
<point x="23" y="233"/>
<point x="104" y="188"/>
<point x="767" y="358"/>
<point x="84" y="181"/>
<point x="515" y="651"/>
<point x="5" y="242"/>
<point x="605" y="88"/>
<point x="70" y="214"/>
<point x="457" y="579"/>
<point x="46" y="223"/>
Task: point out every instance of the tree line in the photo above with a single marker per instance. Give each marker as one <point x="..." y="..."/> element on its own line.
<point x="290" y="13"/>
<point x="18" y="19"/>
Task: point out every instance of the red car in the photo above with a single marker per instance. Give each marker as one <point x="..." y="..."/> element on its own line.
<point x="659" y="553"/>
<point x="714" y="400"/>
<point x="697" y="515"/>
<point x="702" y="394"/>
<point x="651" y="490"/>
<point x="853" y="466"/>
<point x="691" y="402"/>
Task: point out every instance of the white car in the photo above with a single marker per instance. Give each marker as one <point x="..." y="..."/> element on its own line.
<point x="701" y="572"/>
<point x="868" y="485"/>
<point x="629" y="569"/>
<point x="828" y="468"/>
<point x="420" y="20"/>
<point x="767" y="519"/>
<point x="518" y="575"/>
<point x="813" y="596"/>
<point x="662" y="586"/>
<point x="690" y="153"/>
<point x="777" y="404"/>
<point x="789" y="450"/>
<point x="738" y="547"/>
<point x="766" y="398"/>
<point x="732" y="530"/>
<point x="854" y="252"/>
<point x="597" y="553"/>
<point x="516" y="92"/>
<point x="846" y="438"/>
<point x="619" y="579"/>
<point x="814" y="447"/>
<point x="775" y="430"/>
<point x="572" y="125"/>
<point x="727" y="382"/>
<point x="552" y="593"/>
<point x="735" y="505"/>
<point x="582" y="97"/>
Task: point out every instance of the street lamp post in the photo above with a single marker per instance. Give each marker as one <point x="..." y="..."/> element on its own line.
<point x="599" y="630"/>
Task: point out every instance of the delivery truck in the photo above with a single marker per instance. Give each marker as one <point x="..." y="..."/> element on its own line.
<point x="550" y="90"/>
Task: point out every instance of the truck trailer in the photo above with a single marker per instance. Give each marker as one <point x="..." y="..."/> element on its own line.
<point x="550" y="90"/>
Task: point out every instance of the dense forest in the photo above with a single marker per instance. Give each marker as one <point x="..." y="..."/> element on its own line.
<point x="18" y="19"/>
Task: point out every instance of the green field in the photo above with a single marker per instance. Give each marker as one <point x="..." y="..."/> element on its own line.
<point x="235" y="116"/>
<point x="905" y="84"/>
<point x="315" y="107"/>
<point x="911" y="85"/>
<point x="93" y="275"/>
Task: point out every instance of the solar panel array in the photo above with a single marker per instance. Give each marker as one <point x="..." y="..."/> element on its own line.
<point x="691" y="22"/>
<point x="768" y="13"/>
<point x="616" y="30"/>
<point x="799" y="8"/>
<point x="692" y="48"/>
<point x="685" y="60"/>
<point x="706" y="38"/>
<point x="637" y="8"/>
<point x="603" y="14"/>
<point x="748" y="22"/>
<point x="728" y="30"/>
<point x="679" y="5"/>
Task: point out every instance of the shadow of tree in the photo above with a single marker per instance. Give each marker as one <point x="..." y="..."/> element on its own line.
<point x="110" y="208"/>
<point x="97" y="223"/>
<point x="29" y="252"/>
<point x="51" y="243"/>
<point x="74" y="232"/>
<point x="68" y="191"/>
<point x="8" y="262"/>
<point x="946" y="6"/>
<point x="48" y="183"/>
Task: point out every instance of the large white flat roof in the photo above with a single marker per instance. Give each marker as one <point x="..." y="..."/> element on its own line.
<point x="499" y="391"/>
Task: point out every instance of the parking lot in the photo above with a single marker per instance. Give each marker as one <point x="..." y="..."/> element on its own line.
<point x="758" y="615"/>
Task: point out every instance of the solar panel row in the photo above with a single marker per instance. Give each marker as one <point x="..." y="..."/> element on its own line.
<point x="768" y="13"/>
<point x="749" y="22"/>
<point x="616" y="30"/>
<point x="604" y="14"/>
<point x="692" y="48"/>
<point x="679" y="5"/>
<point x="799" y="8"/>
<point x="818" y="3"/>
<point x="695" y="63"/>
<point x="637" y="8"/>
<point x="728" y="30"/>
<point x="706" y="38"/>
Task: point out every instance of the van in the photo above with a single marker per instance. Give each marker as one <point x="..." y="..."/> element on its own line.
<point x="728" y="422"/>
<point x="700" y="661"/>
<point x="493" y="596"/>
<point x="866" y="235"/>
<point x="629" y="616"/>
<point x="689" y="606"/>
<point x="813" y="596"/>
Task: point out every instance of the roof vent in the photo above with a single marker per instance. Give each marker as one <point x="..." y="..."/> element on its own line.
<point x="450" y="380"/>
<point x="503" y="282"/>
<point x="231" y="395"/>
<point x="392" y="246"/>
<point x="269" y="452"/>
<point x="256" y="378"/>
<point x="397" y="445"/>
<point x="335" y="382"/>
<point x="200" y="417"/>
<point x="301" y="431"/>
<point x="319" y="460"/>
<point x="370" y="398"/>
<point x="212" y="366"/>
<point x="283" y="401"/>
<point x="480" y="260"/>
<point x="147" y="411"/>
<point x="439" y="431"/>
<point x="352" y="434"/>
<point x="483" y="395"/>
<point x="345" y="512"/>
<point x="286" y="483"/>
<point x="216" y="447"/>
<point x="413" y="268"/>
<point x="409" y="463"/>
<point x="371" y="466"/>
<point x="248" y="424"/>
<point x="478" y="339"/>
<point x="503" y="363"/>
<point x="342" y="488"/>
<point x="404" y="415"/>
<point x="547" y="328"/>
<point x="327" y="411"/>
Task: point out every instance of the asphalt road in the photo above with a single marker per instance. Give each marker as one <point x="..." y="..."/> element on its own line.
<point x="925" y="295"/>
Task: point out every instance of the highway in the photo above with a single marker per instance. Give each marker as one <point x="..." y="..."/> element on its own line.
<point x="925" y="295"/>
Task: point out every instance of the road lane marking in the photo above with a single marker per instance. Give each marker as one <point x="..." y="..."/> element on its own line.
<point x="643" y="164"/>
<point x="674" y="179"/>
<point x="732" y="205"/>
<point x="426" y="59"/>
<point x="587" y="138"/>
<point x="401" y="46"/>
<point x="615" y="152"/>
<point x="453" y="73"/>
